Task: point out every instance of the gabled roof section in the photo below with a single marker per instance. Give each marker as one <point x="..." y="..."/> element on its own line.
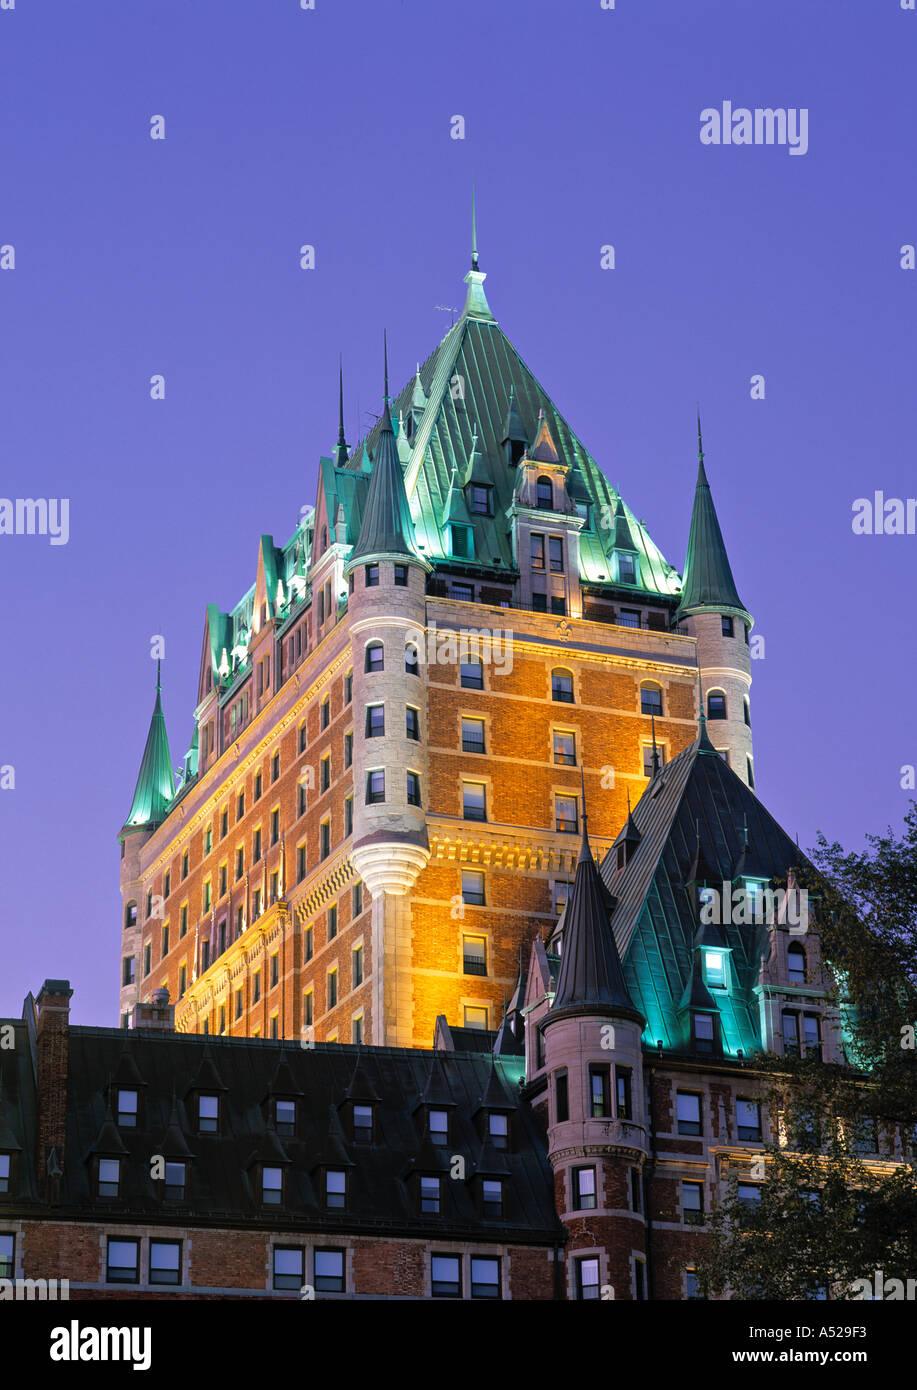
<point x="708" y="582"/>
<point x="155" y="787"/>
<point x="692" y="821"/>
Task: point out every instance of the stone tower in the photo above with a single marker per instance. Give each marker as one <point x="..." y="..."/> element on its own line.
<point x="597" y="1126"/>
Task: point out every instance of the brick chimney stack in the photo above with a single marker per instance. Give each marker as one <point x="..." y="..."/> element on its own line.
<point x="53" y="1034"/>
<point x="158" y="1014"/>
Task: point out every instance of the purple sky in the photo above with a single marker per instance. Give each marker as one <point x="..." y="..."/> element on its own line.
<point x="331" y="127"/>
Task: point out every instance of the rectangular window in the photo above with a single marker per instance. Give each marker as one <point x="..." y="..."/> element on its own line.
<point x="182" y="980"/>
<point x="348" y="815"/>
<point x="688" y="1112"/>
<point x="485" y="1277"/>
<point x="357" y="900"/>
<point x="790" y="1035"/>
<point x="474" y="805"/>
<point x="307" y="943"/>
<point x="303" y="738"/>
<point x="167" y="883"/>
<point x="275" y="826"/>
<point x="165" y="1261"/>
<point x="556" y="554"/>
<point x="564" y="749"/>
<point x="307" y="1000"/>
<point x="463" y="592"/>
<point x="371" y="576"/>
<point x="648" y="758"/>
<point x="300" y="863"/>
<point x="240" y="808"/>
<point x="472" y="674"/>
<point x="271" y="1186"/>
<point x="636" y="1193"/>
<point x="480" y="500"/>
<point x="256" y="796"/>
<point x="537" y="551"/>
<point x="301" y="799"/>
<point x="175" y="1180"/>
<point x="326" y="772"/>
<point x="357" y="962"/>
<point x="127" y="1108"/>
<point x="324" y="835"/>
<point x="439" y="1126"/>
<point x="473" y="887"/>
<point x="498" y="1129"/>
<point x="239" y="999"/>
<point x="413" y="789"/>
<point x="640" y="1279"/>
<point x="256" y="846"/>
<point x="122" y="1264"/>
<point x="332" y="988"/>
<point x="332" y="921"/>
<point x="727" y="626"/>
<point x="7" y="1256"/>
<point x="326" y="712"/>
<point x="430" y="1196"/>
<point x="475" y="1016"/>
<point x="375" y="787"/>
<point x="5" y="1169"/>
<point x="285" y="1117"/>
<point x="356" y="1030"/>
<point x="275" y="969"/>
<point x="561" y="1097"/>
<point x="491" y="1198"/>
<point x="692" y="1203"/>
<point x="109" y="1177"/>
<point x="256" y="987"/>
<point x="348" y="749"/>
<point x="472" y="735"/>
<point x="375" y="721"/>
<point x="748" y="1121"/>
<point x="335" y="1188"/>
<point x="600" y="1092"/>
<point x="627" y="569"/>
<point x="446" y="1276"/>
<point x="812" y="1035"/>
<point x="224" y="824"/>
<point x="412" y="723"/>
<point x="401" y="576"/>
<point x="474" y="955"/>
<point x="240" y="863"/>
<point x="566" y="819"/>
<point x="583" y="1189"/>
<point x="623" y="1093"/>
<point x="587" y="1277"/>
<point x="147" y="958"/>
<point x="329" y="1266"/>
<point x="224" y="877"/>
<point x="561" y="894"/>
<point x="289" y="1268"/>
<point x="629" y="617"/>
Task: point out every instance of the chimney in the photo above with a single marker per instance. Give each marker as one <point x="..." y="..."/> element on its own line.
<point x="158" y="1014"/>
<point x="53" y="1037"/>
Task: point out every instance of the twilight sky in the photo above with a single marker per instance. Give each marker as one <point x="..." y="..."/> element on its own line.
<point x="332" y="127"/>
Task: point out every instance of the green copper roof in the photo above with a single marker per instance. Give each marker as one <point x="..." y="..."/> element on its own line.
<point x="708" y="581"/>
<point x="479" y="394"/>
<point x="387" y="527"/>
<point x="155" y="785"/>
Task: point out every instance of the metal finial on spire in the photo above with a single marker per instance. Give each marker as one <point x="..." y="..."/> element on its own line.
<point x="158" y="673"/>
<point x="341" y="399"/>
<point x="386" y="410"/>
<point x="700" y="438"/>
<point x="628" y="800"/>
<point x="655" y="750"/>
<point x="474" y="234"/>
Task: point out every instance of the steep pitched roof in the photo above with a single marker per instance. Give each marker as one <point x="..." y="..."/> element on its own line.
<point x="691" y="821"/>
<point x="155" y="787"/>
<point x="590" y="979"/>
<point x="475" y="381"/>
<point x="708" y="581"/>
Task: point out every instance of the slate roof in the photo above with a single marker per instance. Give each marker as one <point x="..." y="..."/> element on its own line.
<point x="708" y="581"/>
<point x="223" y="1185"/>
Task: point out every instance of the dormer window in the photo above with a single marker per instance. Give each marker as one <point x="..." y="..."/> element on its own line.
<point x="439" y="1126"/>
<point x="271" y="1186"/>
<point x="480" y="500"/>
<point x="175" y="1182"/>
<point x="208" y="1114"/>
<point x="498" y="1129"/>
<point x="285" y="1117"/>
<point x="363" y="1124"/>
<point x="796" y="964"/>
<point x="544" y="495"/>
<point x="715" y="969"/>
<point x="6" y="1167"/>
<point x="430" y="1196"/>
<point x="492" y="1198"/>
<point x="127" y="1105"/>
<point x="703" y="1032"/>
<point x="109" y="1177"/>
<point x="335" y="1189"/>
<point x="627" y="568"/>
<point x="460" y="542"/>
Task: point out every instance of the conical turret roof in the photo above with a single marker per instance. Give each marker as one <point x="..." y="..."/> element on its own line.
<point x="155" y="787"/>
<point x="708" y="581"/>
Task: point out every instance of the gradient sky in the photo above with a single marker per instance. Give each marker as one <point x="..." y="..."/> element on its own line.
<point x="332" y="127"/>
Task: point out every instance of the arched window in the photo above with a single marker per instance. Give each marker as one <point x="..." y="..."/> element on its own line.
<point x="651" y="698"/>
<point x="130" y="915"/>
<point x="716" y="705"/>
<point x="562" y="685"/>
<point x="375" y="656"/>
<point x="796" y="964"/>
<point x="410" y="659"/>
<point x="544" y="494"/>
<point x="746" y="711"/>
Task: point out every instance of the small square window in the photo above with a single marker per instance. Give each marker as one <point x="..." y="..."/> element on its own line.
<point x="475" y="1016"/>
<point x="123" y="1262"/>
<point x="288" y="1268"/>
<point x="446" y="1276"/>
<point x="472" y="675"/>
<point x="485" y="1277"/>
<point x="329" y="1271"/>
<point x="473" y="887"/>
<point x="165" y="1261"/>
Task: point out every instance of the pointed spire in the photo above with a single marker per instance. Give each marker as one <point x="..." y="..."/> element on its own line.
<point x="708" y="582"/>
<point x="341" y="451"/>
<point x="155" y="787"/>
<point x="590" y="980"/>
<point x="655" y="749"/>
<point x="544" y="450"/>
<point x="419" y="397"/>
<point x="476" y="306"/>
<point x="387" y="529"/>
